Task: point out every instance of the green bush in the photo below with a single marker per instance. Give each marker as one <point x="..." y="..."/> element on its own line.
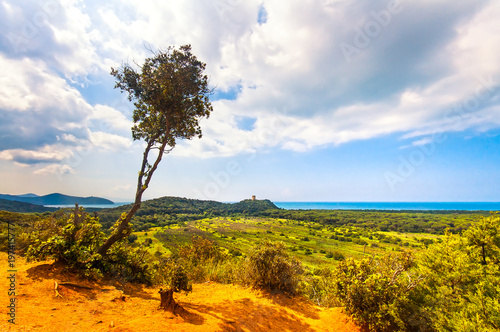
<point x="201" y="250"/>
<point x="270" y="267"/>
<point x="74" y="244"/>
<point x="201" y="258"/>
<point x="319" y="287"/>
<point x="462" y="289"/>
<point x="379" y="292"/>
<point x="132" y="238"/>
<point x="172" y="274"/>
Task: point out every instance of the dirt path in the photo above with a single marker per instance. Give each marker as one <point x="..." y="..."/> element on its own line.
<point x="110" y="307"/>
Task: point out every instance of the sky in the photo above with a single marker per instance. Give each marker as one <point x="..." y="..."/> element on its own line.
<point x="314" y="100"/>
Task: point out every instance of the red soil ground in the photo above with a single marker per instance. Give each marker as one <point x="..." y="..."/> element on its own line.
<point x="108" y="306"/>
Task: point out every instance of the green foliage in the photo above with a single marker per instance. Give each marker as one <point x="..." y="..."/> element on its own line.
<point x="18" y="223"/>
<point x="202" y="260"/>
<point x="132" y="238"/>
<point x="170" y="95"/>
<point x="128" y="264"/>
<point x="15" y="206"/>
<point x="172" y="274"/>
<point x="201" y="250"/>
<point x="462" y="290"/>
<point x="319" y="287"/>
<point x="270" y="267"/>
<point x="72" y="243"/>
<point x="379" y="292"/>
<point x="58" y="237"/>
<point x="336" y="255"/>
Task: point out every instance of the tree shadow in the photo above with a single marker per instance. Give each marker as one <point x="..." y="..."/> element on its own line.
<point x="133" y="289"/>
<point x="68" y="279"/>
<point x="189" y="316"/>
<point x="245" y="314"/>
<point x="47" y="271"/>
<point x="297" y="304"/>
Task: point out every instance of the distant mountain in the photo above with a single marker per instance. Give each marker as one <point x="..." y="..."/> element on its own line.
<point x="29" y="195"/>
<point x="56" y="199"/>
<point x="15" y="206"/>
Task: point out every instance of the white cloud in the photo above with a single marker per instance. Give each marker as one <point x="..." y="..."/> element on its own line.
<point x="44" y="155"/>
<point x="295" y="80"/>
<point x="109" y="141"/>
<point x="110" y="118"/>
<point x="54" y="169"/>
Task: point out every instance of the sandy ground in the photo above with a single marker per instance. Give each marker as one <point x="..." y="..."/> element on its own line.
<point x="108" y="306"/>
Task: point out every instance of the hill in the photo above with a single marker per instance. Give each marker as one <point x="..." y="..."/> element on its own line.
<point x="15" y="206"/>
<point x="169" y="210"/>
<point x="56" y="199"/>
<point x="177" y="205"/>
<point x="110" y="306"/>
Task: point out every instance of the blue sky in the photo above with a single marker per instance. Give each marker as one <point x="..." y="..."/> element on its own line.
<point x="324" y="100"/>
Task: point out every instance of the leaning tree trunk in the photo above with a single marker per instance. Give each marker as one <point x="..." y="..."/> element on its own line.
<point x="123" y="230"/>
<point x="167" y="301"/>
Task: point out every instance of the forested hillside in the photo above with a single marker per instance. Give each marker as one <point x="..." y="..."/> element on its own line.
<point x="15" y="206"/>
<point x="169" y="210"/>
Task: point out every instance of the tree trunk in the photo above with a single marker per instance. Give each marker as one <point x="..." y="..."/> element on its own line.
<point x="76" y="221"/>
<point x="124" y="229"/>
<point x="167" y="301"/>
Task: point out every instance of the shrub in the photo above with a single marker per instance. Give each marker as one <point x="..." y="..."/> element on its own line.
<point x="132" y="238"/>
<point x="74" y="244"/>
<point x="199" y="258"/>
<point x="338" y="256"/>
<point x="379" y="292"/>
<point x="271" y="268"/>
<point x="462" y="289"/>
<point x="172" y="274"/>
<point x="319" y="288"/>
<point x="128" y="264"/>
<point x="201" y="250"/>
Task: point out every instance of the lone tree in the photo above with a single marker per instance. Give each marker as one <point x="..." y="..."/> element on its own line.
<point x="170" y="96"/>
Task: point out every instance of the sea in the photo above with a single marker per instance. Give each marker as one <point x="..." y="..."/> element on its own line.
<point x="394" y="206"/>
<point x="90" y="206"/>
<point x="390" y="206"/>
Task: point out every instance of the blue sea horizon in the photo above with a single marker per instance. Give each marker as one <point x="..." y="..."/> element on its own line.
<point x="95" y="206"/>
<point x="396" y="206"/>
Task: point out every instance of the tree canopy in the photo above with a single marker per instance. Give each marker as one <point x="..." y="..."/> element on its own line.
<point x="170" y="95"/>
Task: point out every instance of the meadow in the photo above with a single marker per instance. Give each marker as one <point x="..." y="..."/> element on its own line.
<point x="313" y="243"/>
<point x="315" y="237"/>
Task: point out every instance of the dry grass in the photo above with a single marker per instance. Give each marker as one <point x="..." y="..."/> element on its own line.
<point x="109" y="306"/>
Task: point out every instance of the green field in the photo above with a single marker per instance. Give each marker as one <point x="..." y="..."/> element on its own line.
<point x="311" y="242"/>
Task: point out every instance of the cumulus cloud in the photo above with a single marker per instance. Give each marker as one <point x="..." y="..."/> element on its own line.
<point x="54" y="169"/>
<point x="45" y="155"/>
<point x="37" y="106"/>
<point x="44" y="118"/>
<point x="418" y="68"/>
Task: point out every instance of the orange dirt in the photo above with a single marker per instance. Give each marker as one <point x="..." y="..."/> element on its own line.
<point x="108" y="306"/>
